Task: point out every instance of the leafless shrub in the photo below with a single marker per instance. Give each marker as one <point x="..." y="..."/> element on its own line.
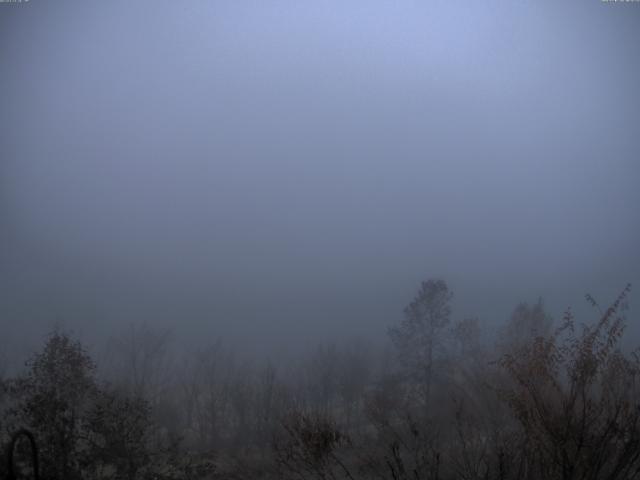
<point x="575" y="397"/>
<point x="310" y="447"/>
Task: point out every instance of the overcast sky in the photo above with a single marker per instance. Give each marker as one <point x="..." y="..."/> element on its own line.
<point x="281" y="171"/>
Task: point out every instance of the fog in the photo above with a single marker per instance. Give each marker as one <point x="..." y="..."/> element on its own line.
<point x="279" y="173"/>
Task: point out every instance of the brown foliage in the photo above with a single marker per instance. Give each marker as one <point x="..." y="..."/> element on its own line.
<point x="575" y="397"/>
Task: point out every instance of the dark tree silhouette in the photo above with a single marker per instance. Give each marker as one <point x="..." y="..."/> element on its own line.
<point x="420" y="335"/>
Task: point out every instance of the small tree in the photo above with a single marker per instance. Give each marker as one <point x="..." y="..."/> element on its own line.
<point x="51" y="401"/>
<point x="466" y="335"/>
<point x="80" y="429"/>
<point x="527" y="322"/>
<point x="420" y="334"/>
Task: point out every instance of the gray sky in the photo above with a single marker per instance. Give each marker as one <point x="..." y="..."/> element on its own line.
<point x="281" y="171"/>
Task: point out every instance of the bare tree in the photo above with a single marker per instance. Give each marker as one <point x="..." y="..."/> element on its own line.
<point x="420" y="335"/>
<point x="527" y="322"/>
<point x="354" y="376"/>
<point x="141" y="361"/>
<point x="322" y="378"/>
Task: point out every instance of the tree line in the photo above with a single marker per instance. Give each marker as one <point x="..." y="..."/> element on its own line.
<point x="539" y="400"/>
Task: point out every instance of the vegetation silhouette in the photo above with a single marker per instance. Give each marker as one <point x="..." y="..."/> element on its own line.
<point x="540" y="401"/>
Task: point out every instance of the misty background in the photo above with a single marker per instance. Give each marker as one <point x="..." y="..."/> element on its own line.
<point x="278" y="173"/>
